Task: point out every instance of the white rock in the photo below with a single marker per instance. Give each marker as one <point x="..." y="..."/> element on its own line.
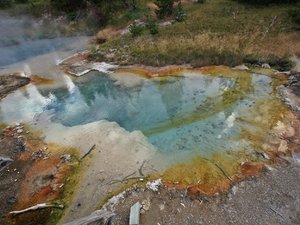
<point x="154" y="185"/>
<point x="20" y="131"/>
<point x="283" y="146"/>
<point x="241" y="67"/>
<point x="266" y="66"/>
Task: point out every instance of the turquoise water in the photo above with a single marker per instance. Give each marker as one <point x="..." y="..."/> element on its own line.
<point x="188" y="112"/>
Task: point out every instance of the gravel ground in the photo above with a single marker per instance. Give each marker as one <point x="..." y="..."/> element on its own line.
<point x="270" y="198"/>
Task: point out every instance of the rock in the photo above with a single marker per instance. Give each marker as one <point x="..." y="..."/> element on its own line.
<point x="146" y="204"/>
<point x="154" y="185"/>
<point x="290" y="132"/>
<point x="20" y="131"/>
<point x="241" y="67"/>
<point x="111" y="50"/>
<point x="266" y="66"/>
<point x="65" y="157"/>
<point x="161" y="207"/>
<point x="283" y="146"/>
<point x="4" y="162"/>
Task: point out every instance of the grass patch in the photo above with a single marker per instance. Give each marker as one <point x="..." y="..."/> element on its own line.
<point x="216" y="32"/>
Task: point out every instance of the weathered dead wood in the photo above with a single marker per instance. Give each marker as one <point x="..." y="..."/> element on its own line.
<point x="99" y="217"/>
<point x="89" y="151"/>
<point x="278" y="213"/>
<point x="270" y="26"/>
<point x="222" y="170"/>
<point x="224" y="173"/>
<point x="36" y="207"/>
<point x="141" y="168"/>
<point x="126" y="179"/>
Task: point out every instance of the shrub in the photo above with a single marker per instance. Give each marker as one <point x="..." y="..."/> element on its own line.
<point x="295" y="16"/>
<point x="180" y="14"/>
<point x="165" y="8"/>
<point x="68" y="6"/>
<point x="267" y="2"/>
<point x="151" y="25"/>
<point x="5" y="4"/>
<point x="135" y="29"/>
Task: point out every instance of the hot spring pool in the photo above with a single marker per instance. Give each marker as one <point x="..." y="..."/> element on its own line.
<point x="194" y="111"/>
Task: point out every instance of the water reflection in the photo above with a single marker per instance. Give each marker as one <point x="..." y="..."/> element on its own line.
<point x="190" y="112"/>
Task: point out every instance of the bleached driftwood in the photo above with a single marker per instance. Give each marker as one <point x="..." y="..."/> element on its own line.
<point x="99" y="217"/>
<point x="88" y="152"/>
<point x="36" y="207"/>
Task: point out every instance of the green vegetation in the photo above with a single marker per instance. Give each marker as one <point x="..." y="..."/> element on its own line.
<point x="5" y="4"/>
<point x="135" y="29"/>
<point x="227" y="32"/>
<point x="217" y="32"/>
<point x="267" y="2"/>
<point x="295" y="16"/>
<point x="180" y="14"/>
<point x="151" y="25"/>
<point x="165" y="8"/>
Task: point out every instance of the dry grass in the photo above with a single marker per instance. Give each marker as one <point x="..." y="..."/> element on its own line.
<point x="217" y="32"/>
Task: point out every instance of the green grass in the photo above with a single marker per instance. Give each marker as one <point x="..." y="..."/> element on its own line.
<point x="216" y="32"/>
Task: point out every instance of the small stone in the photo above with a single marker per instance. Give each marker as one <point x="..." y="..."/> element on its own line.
<point x="20" y="131"/>
<point x="266" y="66"/>
<point x="18" y="124"/>
<point x="290" y="132"/>
<point x="241" y="67"/>
<point x="146" y="204"/>
<point x="283" y="146"/>
<point x="161" y="207"/>
<point x="65" y="157"/>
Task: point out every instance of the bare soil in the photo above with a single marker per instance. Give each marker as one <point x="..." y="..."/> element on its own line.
<point x="10" y="176"/>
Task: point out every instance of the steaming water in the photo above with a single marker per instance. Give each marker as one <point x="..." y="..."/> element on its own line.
<point x="23" y="38"/>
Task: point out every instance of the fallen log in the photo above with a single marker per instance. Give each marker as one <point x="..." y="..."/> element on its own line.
<point x="36" y="207"/>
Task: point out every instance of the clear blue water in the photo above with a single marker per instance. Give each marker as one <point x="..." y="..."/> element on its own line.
<point x="188" y="112"/>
